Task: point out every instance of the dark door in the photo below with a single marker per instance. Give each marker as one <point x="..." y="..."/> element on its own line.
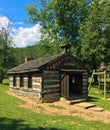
<point x="71" y="84"/>
<point x="78" y="84"/>
<point x="65" y="86"/>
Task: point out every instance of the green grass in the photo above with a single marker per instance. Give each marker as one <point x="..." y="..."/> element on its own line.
<point x="13" y="117"/>
<point x="97" y="97"/>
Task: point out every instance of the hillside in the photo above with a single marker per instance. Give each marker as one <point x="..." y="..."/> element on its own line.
<point x="35" y="51"/>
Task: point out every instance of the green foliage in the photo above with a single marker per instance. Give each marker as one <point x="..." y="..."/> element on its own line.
<point x="6" y="52"/>
<point x="94" y="35"/>
<point x="82" y="23"/>
<point x="36" y="51"/>
<point x="12" y="116"/>
<point x="59" y="20"/>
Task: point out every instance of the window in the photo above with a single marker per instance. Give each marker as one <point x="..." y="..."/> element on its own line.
<point x="29" y="81"/>
<point x="14" y="80"/>
<point x="21" y="81"/>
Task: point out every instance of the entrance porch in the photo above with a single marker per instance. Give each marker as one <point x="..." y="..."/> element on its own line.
<point x="72" y="85"/>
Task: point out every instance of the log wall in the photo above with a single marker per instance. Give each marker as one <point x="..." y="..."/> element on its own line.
<point x="25" y="82"/>
<point x="51" y="86"/>
<point x="85" y="83"/>
<point x="37" y="83"/>
<point x="33" y="92"/>
<point x="46" y="88"/>
<point x="10" y="81"/>
<point x="18" y="82"/>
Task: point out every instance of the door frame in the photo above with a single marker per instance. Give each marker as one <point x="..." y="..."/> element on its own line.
<point x="65" y="84"/>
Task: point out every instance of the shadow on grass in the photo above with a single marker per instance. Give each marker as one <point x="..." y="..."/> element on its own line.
<point x="5" y="84"/>
<point x="92" y="99"/>
<point x="12" y="124"/>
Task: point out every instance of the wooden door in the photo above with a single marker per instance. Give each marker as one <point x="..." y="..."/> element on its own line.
<point x="65" y="86"/>
<point x="78" y="84"/>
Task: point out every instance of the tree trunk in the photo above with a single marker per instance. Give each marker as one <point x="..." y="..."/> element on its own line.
<point x="1" y="80"/>
<point x="95" y="79"/>
<point x="1" y="76"/>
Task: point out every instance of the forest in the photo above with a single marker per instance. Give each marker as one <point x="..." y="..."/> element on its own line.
<point x="84" y="24"/>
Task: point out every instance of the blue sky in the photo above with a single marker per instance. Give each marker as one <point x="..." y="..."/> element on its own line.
<point x="14" y="10"/>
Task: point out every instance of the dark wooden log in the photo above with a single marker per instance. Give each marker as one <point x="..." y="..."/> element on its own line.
<point x="52" y="86"/>
<point x="51" y="97"/>
<point x="85" y="83"/>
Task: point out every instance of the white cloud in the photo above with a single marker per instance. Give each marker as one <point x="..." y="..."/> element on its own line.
<point x="20" y="23"/>
<point x="4" y="21"/>
<point x="22" y="37"/>
<point x="26" y="36"/>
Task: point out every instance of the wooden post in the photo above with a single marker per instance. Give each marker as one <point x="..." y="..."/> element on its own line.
<point x="91" y="80"/>
<point x="99" y="83"/>
<point x="104" y="84"/>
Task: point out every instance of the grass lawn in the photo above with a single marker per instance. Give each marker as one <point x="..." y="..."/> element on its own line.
<point x="97" y="97"/>
<point x="13" y="117"/>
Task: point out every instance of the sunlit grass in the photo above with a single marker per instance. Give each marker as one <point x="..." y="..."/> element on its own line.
<point x="96" y="95"/>
<point x="13" y="117"/>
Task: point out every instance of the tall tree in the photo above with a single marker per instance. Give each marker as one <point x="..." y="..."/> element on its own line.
<point x="59" y="19"/>
<point x="6" y="54"/>
<point x="94" y="34"/>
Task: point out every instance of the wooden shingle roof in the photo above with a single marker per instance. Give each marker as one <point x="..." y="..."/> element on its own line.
<point x="37" y="64"/>
<point x="33" y="65"/>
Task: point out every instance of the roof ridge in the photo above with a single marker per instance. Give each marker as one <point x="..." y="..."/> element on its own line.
<point x="33" y="64"/>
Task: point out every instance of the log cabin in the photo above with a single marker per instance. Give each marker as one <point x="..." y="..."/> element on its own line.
<point x="48" y="79"/>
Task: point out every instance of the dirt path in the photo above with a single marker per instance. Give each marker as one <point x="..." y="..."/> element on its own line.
<point x="62" y="108"/>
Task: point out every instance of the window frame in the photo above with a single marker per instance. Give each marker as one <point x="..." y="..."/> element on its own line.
<point x="29" y="81"/>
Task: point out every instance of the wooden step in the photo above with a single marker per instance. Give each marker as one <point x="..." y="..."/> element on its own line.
<point x="86" y="105"/>
<point x="76" y="101"/>
<point x="97" y="109"/>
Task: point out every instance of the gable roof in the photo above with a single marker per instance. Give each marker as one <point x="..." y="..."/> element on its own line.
<point x="37" y="64"/>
